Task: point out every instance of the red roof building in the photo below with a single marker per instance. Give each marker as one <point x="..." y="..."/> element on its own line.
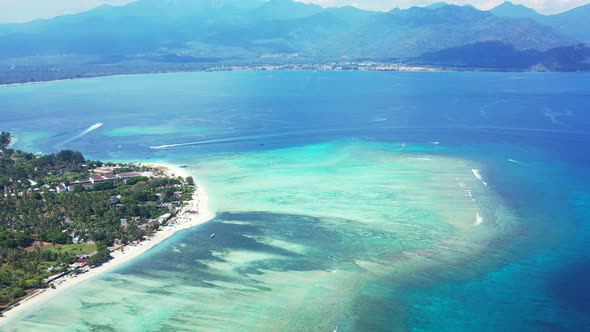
<point x="127" y="175"/>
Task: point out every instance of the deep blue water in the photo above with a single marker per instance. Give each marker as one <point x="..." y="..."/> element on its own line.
<point x="535" y="280"/>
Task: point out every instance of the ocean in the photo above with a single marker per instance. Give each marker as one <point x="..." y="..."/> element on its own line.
<point x="345" y="201"/>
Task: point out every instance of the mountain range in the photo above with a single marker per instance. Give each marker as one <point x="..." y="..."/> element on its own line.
<point x="151" y="35"/>
<point x="571" y="23"/>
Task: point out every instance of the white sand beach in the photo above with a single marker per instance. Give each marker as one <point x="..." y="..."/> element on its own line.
<point x="193" y="213"/>
<point x="71" y="79"/>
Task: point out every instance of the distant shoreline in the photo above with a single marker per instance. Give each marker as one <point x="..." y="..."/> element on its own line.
<point x="225" y="69"/>
<point x="185" y="219"/>
<point x="384" y="68"/>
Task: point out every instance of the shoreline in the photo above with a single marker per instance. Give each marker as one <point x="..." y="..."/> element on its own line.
<point x="422" y="69"/>
<point x="76" y="78"/>
<point x="182" y="221"/>
<point x="432" y="70"/>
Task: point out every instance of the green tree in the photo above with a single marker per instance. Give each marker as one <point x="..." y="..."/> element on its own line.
<point x="104" y="185"/>
<point x="4" y="139"/>
<point x="70" y="157"/>
<point x="102" y="255"/>
<point x="58" y="237"/>
<point x="190" y="181"/>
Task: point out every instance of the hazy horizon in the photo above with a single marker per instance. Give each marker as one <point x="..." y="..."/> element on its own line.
<point x="21" y="11"/>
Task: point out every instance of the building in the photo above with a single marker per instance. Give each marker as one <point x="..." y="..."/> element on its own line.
<point x="86" y="184"/>
<point x="103" y="170"/>
<point x="109" y="177"/>
<point x="163" y="218"/>
<point x="112" y="177"/>
<point x="54" y="277"/>
<point x="128" y="175"/>
<point x="97" y="178"/>
<point x="115" y="200"/>
<point x="61" y="188"/>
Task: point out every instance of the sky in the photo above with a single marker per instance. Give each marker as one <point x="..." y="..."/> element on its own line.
<point x="27" y="10"/>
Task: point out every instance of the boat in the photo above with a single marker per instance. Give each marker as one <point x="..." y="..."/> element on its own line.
<point x="212" y="235"/>
<point x="183" y="166"/>
<point x="403" y="146"/>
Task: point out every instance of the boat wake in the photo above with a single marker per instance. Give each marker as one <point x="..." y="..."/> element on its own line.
<point x="247" y="138"/>
<point x="479" y="177"/>
<point x="84" y="133"/>
<point x="516" y="162"/>
<point x="379" y="119"/>
<point x="69" y="132"/>
<point x="341" y="131"/>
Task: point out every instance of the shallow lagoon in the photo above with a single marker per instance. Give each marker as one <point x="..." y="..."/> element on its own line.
<point x="323" y="221"/>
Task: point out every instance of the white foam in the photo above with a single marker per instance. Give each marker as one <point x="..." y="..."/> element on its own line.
<point x="91" y="128"/>
<point x="85" y="132"/>
<point x="479" y="177"/>
<point x="516" y="162"/>
<point x="555" y="116"/>
<point x="211" y="141"/>
<point x="478" y="219"/>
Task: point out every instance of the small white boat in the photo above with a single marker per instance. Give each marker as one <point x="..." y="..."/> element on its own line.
<point x="212" y="235"/>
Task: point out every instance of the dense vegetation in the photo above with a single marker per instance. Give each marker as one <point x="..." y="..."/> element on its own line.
<point x="498" y="56"/>
<point x="42" y="229"/>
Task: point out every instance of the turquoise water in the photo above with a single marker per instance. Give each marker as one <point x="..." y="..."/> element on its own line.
<point x="323" y="221"/>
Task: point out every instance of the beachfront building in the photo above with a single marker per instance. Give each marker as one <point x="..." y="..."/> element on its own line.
<point x="163" y="218"/>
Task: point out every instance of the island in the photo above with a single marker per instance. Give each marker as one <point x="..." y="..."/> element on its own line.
<point x="64" y="219"/>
